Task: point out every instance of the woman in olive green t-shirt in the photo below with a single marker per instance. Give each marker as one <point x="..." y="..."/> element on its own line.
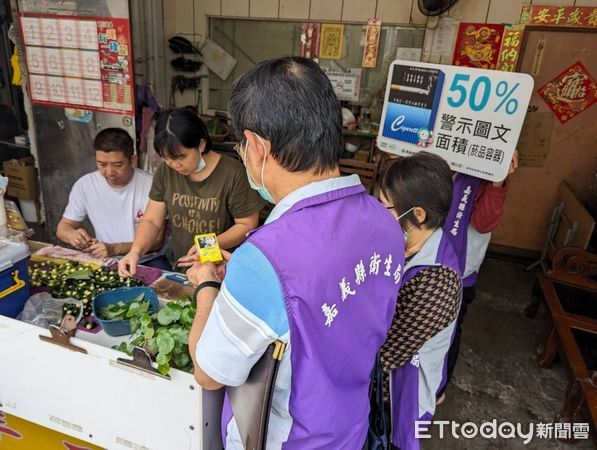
<point x="200" y="191"/>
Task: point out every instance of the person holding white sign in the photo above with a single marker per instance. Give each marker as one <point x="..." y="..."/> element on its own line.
<point x="476" y="211"/>
<point x="418" y="191"/>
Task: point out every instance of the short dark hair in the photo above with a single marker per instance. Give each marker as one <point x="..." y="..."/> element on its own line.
<point x="290" y="102"/>
<point x="177" y="128"/>
<point x="114" y="140"/>
<point x="423" y="180"/>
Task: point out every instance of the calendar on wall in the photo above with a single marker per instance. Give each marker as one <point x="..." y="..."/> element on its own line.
<point x="79" y="62"/>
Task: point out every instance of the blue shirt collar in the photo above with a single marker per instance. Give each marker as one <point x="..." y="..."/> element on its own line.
<point x="311" y="190"/>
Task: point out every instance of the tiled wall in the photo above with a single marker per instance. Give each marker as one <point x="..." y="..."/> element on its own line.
<point x="180" y="18"/>
<point x="189" y="17"/>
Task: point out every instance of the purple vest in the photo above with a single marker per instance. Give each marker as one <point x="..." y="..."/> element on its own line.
<point x="413" y="386"/>
<point x="339" y="257"/>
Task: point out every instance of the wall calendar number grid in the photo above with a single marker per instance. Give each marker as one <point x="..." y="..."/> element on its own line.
<point x="79" y="62"/>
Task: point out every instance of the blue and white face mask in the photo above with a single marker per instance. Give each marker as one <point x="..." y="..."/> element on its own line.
<point x="261" y="190"/>
<point x="201" y="165"/>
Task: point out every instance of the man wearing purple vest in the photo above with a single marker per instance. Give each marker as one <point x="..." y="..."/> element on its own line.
<point x="321" y="274"/>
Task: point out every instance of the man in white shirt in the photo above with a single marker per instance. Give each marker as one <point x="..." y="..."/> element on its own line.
<point x="113" y="198"/>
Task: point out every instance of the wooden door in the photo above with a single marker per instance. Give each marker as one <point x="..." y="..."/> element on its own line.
<point x="572" y="154"/>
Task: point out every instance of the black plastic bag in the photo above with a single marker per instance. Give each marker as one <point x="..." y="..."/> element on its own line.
<point x="378" y="435"/>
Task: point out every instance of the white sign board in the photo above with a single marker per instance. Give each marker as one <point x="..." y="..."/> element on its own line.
<point x="470" y="117"/>
<point x="347" y="85"/>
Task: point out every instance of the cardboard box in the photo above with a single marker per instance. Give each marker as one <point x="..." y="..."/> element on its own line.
<point x="21" y="178"/>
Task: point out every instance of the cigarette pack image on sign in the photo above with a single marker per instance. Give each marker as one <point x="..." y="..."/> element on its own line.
<point x="413" y="102"/>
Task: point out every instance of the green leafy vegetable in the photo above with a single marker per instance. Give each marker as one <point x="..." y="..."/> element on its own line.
<point x="171" y="313"/>
<point x="82" y="274"/>
<point x="136" y="308"/>
<point x="164" y="334"/>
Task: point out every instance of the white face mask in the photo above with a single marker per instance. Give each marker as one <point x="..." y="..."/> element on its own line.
<point x="400" y="217"/>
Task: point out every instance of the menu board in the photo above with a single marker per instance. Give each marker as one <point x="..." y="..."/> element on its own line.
<point x="79" y="62"/>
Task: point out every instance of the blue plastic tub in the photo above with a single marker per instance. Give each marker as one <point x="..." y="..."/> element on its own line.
<point x="126" y="294"/>
<point x="14" y="278"/>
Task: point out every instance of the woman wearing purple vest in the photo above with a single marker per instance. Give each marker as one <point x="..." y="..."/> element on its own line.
<point x="476" y="211"/>
<point x="320" y="275"/>
<point x="418" y="191"/>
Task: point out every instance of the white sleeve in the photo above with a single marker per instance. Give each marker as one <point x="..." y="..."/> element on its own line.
<point x="77" y="206"/>
<point x="147" y="189"/>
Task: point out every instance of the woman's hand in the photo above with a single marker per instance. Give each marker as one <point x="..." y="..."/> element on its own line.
<point x="189" y="259"/>
<point x="513" y="163"/>
<point x="127" y="266"/>
<point x="511" y="169"/>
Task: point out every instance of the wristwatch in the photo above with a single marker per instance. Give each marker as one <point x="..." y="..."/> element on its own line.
<point x="212" y="284"/>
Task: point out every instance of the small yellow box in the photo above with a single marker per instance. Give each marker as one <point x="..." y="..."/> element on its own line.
<point x="208" y="248"/>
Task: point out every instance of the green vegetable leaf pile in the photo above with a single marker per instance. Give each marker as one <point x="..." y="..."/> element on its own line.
<point x="164" y="334"/>
<point x="121" y="310"/>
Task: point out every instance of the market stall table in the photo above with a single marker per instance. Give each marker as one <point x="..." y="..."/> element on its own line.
<point x="85" y="391"/>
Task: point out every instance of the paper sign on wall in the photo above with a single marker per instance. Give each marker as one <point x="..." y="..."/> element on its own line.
<point x="559" y="16"/>
<point x="330" y="43"/>
<point x="510" y="51"/>
<point x="309" y="46"/>
<point x="470" y="117"/>
<point x="440" y="41"/>
<point x="80" y="62"/>
<point x="347" y="85"/>
<point x="478" y="45"/>
<point x="535" y="139"/>
<point x="570" y="93"/>
<point x="371" y="43"/>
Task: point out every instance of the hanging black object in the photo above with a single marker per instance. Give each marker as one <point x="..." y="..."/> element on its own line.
<point x="180" y="45"/>
<point x="9" y="127"/>
<point x="183" y="64"/>
<point x="435" y="7"/>
<point x="378" y="437"/>
<point x="183" y="83"/>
